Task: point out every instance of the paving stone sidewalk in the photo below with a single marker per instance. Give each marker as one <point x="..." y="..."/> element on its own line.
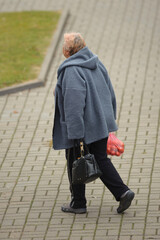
<point x="33" y="178"/>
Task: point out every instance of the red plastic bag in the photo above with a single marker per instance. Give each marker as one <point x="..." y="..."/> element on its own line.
<point x="114" y="145"/>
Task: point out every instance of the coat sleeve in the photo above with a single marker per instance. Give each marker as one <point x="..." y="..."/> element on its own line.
<point x="113" y="97"/>
<point x="74" y="95"/>
<point x="114" y="104"/>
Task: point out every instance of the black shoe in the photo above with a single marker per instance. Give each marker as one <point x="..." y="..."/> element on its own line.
<point x="125" y="201"/>
<point x="67" y="208"/>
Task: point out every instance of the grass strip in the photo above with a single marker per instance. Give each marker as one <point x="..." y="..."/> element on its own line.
<point x="24" y="39"/>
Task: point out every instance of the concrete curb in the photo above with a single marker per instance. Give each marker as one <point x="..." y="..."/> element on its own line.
<point x="46" y="63"/>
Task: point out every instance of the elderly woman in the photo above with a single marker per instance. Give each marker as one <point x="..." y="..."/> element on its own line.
<point x="85" y="108"/>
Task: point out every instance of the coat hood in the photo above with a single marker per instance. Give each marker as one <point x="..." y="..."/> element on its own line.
<point x="83" y="58"/>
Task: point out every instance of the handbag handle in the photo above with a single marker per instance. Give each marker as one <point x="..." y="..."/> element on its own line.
<point x="82" y="145"/>
<point x="82" y="149"/>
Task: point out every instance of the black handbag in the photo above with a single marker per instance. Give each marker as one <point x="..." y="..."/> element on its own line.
<point x="85" y="169"/>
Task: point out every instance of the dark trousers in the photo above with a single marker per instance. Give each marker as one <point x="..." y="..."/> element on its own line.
<point x="110" y="176"/>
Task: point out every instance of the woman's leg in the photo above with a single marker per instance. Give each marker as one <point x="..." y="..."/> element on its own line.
<point x="78" y="199"/>
<point x="110" y="177"/>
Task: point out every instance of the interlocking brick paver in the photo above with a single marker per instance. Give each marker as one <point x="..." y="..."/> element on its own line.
<point x="33" y="177"/>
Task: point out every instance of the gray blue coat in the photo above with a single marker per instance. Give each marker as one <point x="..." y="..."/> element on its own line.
<point x="85" y="103"/>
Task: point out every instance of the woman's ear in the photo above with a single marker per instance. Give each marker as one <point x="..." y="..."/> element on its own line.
<point x="66" y="53"/>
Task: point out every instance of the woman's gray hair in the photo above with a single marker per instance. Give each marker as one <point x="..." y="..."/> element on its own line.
<point x="73" y="42"/>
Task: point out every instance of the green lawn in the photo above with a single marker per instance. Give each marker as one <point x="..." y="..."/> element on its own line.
<point x="24" y="39"/>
